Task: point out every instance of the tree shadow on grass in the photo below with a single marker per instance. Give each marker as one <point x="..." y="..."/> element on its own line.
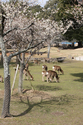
<point x="62" y="100"/>
<point x="80" y="75"/>
<point x="48" y="88"/>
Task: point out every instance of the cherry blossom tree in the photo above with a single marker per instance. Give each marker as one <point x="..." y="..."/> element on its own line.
<point x="12" y="21"/>
<point x="50" y="31"/>
<point x="69" y="14"/>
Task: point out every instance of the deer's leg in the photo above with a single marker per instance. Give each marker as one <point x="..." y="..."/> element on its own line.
<point x="47" y="78"/>
<point x="58" y="72"/>
<point x="51" y="78"/>
<point x="55" y="79"/>
<point x="42" y="78"/>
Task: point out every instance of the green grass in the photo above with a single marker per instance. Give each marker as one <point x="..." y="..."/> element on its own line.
<point x="51" y="103"/>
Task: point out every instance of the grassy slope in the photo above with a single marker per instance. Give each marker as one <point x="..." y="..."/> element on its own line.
<point x="51" y="103"/>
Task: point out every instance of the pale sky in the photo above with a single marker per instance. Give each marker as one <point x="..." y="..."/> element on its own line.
<point x="40" y="2"/>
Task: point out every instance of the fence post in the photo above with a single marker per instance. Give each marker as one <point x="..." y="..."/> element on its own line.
<point x="14" y="79"/>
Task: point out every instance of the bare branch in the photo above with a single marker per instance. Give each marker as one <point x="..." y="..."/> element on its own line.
<point x="30" y="56"/>
<point x="26" y="27"/>
<point x="19" y="58"/>
<point x="9" y="31"/>
<point x="22" y="51"/>
<point x="18" y="29"/>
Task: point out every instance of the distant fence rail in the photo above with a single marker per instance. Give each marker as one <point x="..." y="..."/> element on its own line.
<point x="43" y="60"/>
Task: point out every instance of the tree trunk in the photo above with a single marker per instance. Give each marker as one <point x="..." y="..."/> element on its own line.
<point x="7" y="96"/>
<point x="48" y="54"/>
<point x="79" y="44"/>
<point x="7" y="90"/>
<point x="20" y="84"/>
<point x="20" y="78"/>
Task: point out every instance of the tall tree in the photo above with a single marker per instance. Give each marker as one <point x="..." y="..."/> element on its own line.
<point x="8" y="23"/>
<point x="70" y="12"/>
<point x="6" y="103"/>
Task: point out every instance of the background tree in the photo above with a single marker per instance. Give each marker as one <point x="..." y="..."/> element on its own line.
<point x="71" y="14"/>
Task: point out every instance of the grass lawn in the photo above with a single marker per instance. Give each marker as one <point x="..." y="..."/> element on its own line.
<point x="50" y="103"/>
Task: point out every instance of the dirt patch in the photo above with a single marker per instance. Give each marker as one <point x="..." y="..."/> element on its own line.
<point x="57" y="113"/>
<point x="1" y="93"/>
<point x="33" y="96"/>
<point x="68" y="53"/>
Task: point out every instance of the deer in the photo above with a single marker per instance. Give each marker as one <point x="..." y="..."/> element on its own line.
<point x="46" y="60"/>
<point x="1" y="78"/>
<point x="36" y="61"/>
<point x="26" y="66"/>
<point x="31" y="77"/>
<point x="27" y="73"/>
<point x="57" y="68"/>
<point x="44" y="72"/>
<point x="51" y="75"/>
<point x="45" y="67"/>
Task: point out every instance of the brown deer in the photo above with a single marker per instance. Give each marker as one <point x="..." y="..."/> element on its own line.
<point x="26" y="66"/>
<point x="58" y="68"/>
<point x="47" y="60"/>
<point x="27" y="73"/>
<point x="36" y="61"/>
<point x="1" y="78"/>
<point x="45" y="67"/>
<point x="51" y="75"/>
<point x="31" y="77"/>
